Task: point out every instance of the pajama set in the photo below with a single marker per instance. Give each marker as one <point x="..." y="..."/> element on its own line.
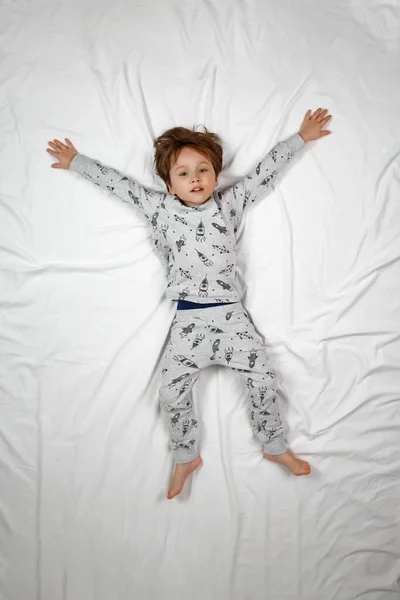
<point x="211" y="326"/>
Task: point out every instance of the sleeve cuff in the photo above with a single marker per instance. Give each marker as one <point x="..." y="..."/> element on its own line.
<point x="296" y="141"/>
<point x="79" y="162"/>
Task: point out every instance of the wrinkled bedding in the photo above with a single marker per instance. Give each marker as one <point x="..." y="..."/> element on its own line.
<point x="84" y="452"/>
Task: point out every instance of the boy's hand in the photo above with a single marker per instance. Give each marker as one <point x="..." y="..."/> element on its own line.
<point x="311" y="128"/>
<point x="64" y="153"/>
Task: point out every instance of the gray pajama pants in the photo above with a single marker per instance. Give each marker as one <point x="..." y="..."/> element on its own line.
<point x="221" y="335"/>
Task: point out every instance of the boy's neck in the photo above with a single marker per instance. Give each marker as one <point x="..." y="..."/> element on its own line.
<point x="190" y="205"/>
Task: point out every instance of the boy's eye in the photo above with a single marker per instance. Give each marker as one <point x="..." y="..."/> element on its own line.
<point x="203" y="169"/>
<point x="183" y="173"/>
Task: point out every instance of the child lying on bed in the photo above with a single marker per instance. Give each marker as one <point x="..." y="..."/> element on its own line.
<point x="194" y="228"/>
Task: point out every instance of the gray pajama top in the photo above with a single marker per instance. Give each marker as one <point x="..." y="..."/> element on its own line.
<point x="197" y="243"/>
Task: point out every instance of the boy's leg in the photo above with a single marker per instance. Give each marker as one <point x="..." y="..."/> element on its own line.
<point x="236" y="344"/>
<point x="178" y="411"/>
<point x="252" y="363"/>
<point x="180" y="368"/>
<point x="264" y="413"/>
<point x="242" y="350"/>
<point x="262" y="395"/>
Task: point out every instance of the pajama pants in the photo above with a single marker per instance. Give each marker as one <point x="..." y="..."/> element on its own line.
<point x="221" y="335"/>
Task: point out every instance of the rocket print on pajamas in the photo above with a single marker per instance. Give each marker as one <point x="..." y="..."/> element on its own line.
<point x="203" y="289"/>
<point x="180" y="242"/>
<point x="185" y="274"/>
<point x="185" y="361"/>
<point x="227" y="270"/>
<point x="102" y="169"/>
<point x="204" y="259"/>
<point x="268" y="179"/>
<point x="252" y="358"/>
<point x="175" y="419"/>
<point x="263" y="391"/>
<point x="184" y="387"/>
<point x="243" y="335"/>
<point x="135" y="200"/>
<point x="197" y="340"/>
<point x="220" y="228"/>
<point x="184" y="293"/>
<point x="224" y="285"/>
<point x="214" y="329"/>
<point x="247" y="197"/>
<point x="190" y="353"/>
<point x="178" y="379"/>
<point x="228" y="354"/>
<point x="200" y="232"/>
<point x="265" y="412"/>
<point x="186" y="330"/>
<point x="185" y="444"/>
<point x="221" y="249"/>
<point x="180" y="220"/>
<point x="215" y="348"/>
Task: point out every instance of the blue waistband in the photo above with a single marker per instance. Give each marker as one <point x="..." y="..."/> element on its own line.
<point x="184" y="305"/>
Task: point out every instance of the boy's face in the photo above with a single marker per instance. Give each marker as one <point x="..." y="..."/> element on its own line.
<point x="192" y="177"/>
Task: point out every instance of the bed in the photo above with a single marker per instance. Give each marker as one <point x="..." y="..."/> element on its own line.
<point x="85" y="463"/>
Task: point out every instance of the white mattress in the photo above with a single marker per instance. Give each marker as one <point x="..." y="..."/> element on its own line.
<point x="85" y="463"/>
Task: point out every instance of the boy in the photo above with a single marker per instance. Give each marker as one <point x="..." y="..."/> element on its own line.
<point x="194" y="230"/>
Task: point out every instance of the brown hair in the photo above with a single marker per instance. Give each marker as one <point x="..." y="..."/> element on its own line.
<point x="170" y="143"/>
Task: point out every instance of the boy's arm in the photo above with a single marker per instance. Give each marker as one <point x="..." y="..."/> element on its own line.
<point x="255" y="185"/>
<point x="130" y="192"/>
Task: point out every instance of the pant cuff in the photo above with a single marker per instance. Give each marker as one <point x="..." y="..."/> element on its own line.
<point x="183" y="455"/>
<point x="275" y="446"/>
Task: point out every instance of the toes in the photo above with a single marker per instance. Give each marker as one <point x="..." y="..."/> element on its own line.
<point x="304" y="469"/>
<point x="172" y="493"/>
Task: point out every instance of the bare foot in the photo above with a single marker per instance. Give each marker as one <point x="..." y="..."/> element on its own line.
<point x="297" y="466"/>
<point x="181" y="473"/>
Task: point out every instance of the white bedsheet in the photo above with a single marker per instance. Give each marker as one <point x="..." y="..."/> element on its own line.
<point x="84" y="458"/>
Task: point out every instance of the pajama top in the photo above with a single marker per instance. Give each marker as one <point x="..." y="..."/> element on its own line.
<point x="198" y="243"/>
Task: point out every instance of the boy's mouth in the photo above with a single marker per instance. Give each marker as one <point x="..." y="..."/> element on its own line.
<point x="197" y="189"/>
